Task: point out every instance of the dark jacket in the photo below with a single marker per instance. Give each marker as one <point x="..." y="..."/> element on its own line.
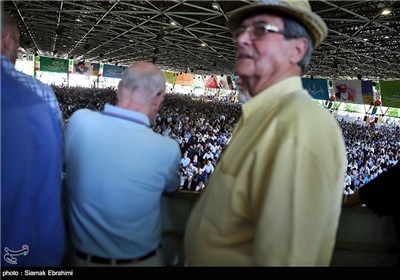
<point x="382" y="195"/>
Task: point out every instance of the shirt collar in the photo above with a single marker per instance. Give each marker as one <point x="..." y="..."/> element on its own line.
<point x="272" y="95"/>
<point x="127" y="114"/>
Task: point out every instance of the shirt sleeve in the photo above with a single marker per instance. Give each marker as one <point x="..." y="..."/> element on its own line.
<point x="174" y="175"/>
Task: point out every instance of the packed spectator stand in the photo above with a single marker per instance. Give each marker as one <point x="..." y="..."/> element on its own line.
<point x="203" y="125"/>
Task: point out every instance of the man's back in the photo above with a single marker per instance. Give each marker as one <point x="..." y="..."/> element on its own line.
<point x="117" y="169"/>
<point x="31" y="156"/>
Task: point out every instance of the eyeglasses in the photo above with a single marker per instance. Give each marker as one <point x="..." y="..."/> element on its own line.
<point x="257" y="30"/>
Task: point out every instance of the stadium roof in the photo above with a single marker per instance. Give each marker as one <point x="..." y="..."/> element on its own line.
<point x="191" y="36"/>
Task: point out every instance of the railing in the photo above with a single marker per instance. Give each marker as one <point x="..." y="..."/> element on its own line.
<point x="175" y="212"/>
<point x="363" y="238"/>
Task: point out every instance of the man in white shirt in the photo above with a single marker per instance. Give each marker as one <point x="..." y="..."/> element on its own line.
<point x="185" y="160"/>
<point x="208" y="168"/>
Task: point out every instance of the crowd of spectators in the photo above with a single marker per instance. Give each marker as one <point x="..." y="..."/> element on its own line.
<point x="74" y="98"/>
<point x="203" y="126"/>
<point x="370" y="151"/>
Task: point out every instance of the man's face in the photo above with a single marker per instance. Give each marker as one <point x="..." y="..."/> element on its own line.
<point x="266" y="58"/>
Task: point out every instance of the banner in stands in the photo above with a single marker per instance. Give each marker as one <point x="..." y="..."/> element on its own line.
<point x="224" y="82"/>
<point x="390" y="93"/>
<point x="170" y="77"/>
<point x="198" y="81"/>
<point x="112" y="71"/>
<point x="348" y="91"/>
<point x="184" y="79"/>
<point x="367" y="92"/>
<point x="317" y="88"/>
<point x="210" y="81"/>
<point x="57" y="65"/>
<point x="86" y="68"/>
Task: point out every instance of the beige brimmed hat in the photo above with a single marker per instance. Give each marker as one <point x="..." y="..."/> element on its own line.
<point x="297" y="9"/>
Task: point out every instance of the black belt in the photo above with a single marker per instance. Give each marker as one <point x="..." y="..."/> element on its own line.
<point x="102" y="260"/>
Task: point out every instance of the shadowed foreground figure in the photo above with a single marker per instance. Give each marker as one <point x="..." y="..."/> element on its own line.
<point x="32" y="227"/>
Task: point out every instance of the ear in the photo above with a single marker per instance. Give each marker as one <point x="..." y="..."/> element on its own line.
<point x="6" y="42"/>
<point x="120" y="90"/>
<point x="157" y="100"/>
<point x="299" y="49"/>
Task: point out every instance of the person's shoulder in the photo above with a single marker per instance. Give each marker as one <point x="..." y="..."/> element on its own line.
<point x="308" y="112"/>
<point x="15" y="94"/>
<point x="40" y="87"/>
<point x="82" y="115"/>
<point x="34" y="81"/>
<point x="21" y="106"/>
<point x="167" y="142"/>
<point x="170" y="142"/>
<point x="304" y="107"/>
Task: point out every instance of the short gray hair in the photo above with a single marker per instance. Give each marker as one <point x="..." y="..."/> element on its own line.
<point x="293" y="29"/>
<point x="148" y="82"/>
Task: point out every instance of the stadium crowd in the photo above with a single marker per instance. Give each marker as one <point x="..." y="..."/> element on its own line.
<point x="203" y="126"/>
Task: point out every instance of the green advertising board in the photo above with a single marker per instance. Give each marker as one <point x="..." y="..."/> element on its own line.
<point x="390" y="93"/>
<point x="57" y="65"/>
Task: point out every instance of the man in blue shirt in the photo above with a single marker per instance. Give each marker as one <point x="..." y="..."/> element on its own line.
<point x="9" y="53"/>
<point x="32" y="228"/>
<point x="117" y="169"/>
